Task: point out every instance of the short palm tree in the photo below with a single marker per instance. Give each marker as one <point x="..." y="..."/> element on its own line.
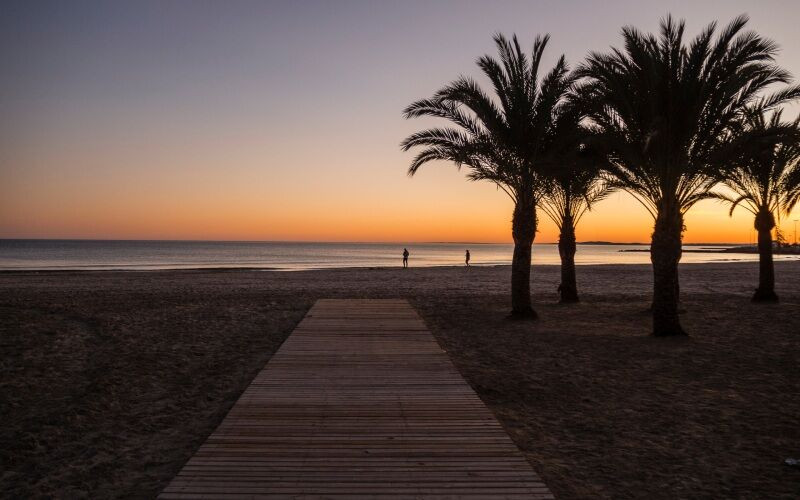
<point x="665" y="111"/>
<point x="507" y="138"/>
<point x="765" y="182"/>
<point x="576" y="184"/>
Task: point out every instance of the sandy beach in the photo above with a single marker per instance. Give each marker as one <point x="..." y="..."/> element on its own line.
<point x="110" y="380"/>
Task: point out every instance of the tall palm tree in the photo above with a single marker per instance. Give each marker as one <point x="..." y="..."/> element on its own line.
<point x="507" y="138"/>
<point x="575" y="186"/>
<point x="665" y="111"/>
<point x="765" y="182"/>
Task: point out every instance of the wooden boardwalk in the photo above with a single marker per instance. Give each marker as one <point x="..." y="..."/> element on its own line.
<point x="359" y="402"/>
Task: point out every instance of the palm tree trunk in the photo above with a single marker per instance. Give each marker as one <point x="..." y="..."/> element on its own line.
<point x="665" y="253"/>
<point x="765" y="292"/>
<point x="523" y="229"/>
<point x="566" y="250"/>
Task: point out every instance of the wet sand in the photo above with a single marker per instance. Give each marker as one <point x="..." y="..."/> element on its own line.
<point x="110" y="380"/>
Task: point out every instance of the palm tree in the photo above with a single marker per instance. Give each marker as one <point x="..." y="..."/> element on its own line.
<point x="575" y="186"/>
<point x="765" y="182"/>
<point x="666" y="113"/>
<point x="507" y="138"/>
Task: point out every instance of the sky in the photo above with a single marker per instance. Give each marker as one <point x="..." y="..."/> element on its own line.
<point x="282" y="120"/>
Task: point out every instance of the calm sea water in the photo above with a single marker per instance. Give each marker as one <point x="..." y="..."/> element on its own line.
<point x="148" y="255"/>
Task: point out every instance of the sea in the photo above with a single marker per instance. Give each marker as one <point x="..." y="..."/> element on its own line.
<point x="132" y="255"/>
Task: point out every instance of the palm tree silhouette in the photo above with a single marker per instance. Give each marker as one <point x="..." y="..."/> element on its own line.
<point x="576" y="183"/>
<point x="666" y="112"/>
<point x="508" y="139"/>
<point x="765" y="182"/>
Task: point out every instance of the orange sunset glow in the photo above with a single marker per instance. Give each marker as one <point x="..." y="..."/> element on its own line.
<point x="198" y="207"/>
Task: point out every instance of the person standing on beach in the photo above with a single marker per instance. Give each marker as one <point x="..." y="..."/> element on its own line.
<point x="466" y="257"/>
<point x="405" y="257"/>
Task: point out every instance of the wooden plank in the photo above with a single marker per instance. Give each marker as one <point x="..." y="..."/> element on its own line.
<point x="359" y="402"/>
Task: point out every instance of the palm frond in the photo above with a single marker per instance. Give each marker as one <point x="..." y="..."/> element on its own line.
<point x="672" y="114"/>
<point x="511" y="137"/>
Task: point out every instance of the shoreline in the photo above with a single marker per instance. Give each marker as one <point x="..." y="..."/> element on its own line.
<point x="735" y="250"/>
<point x="233" y="269"/>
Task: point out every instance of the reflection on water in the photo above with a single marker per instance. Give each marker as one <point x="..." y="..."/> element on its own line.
<point x="144" y="255"/>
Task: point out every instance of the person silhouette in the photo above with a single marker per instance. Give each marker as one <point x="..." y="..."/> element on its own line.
<point x="405" y="257"/>
<point x="466" y="257"/>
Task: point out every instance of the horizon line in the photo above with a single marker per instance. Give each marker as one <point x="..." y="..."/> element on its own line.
<point x="343" y="242"/>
